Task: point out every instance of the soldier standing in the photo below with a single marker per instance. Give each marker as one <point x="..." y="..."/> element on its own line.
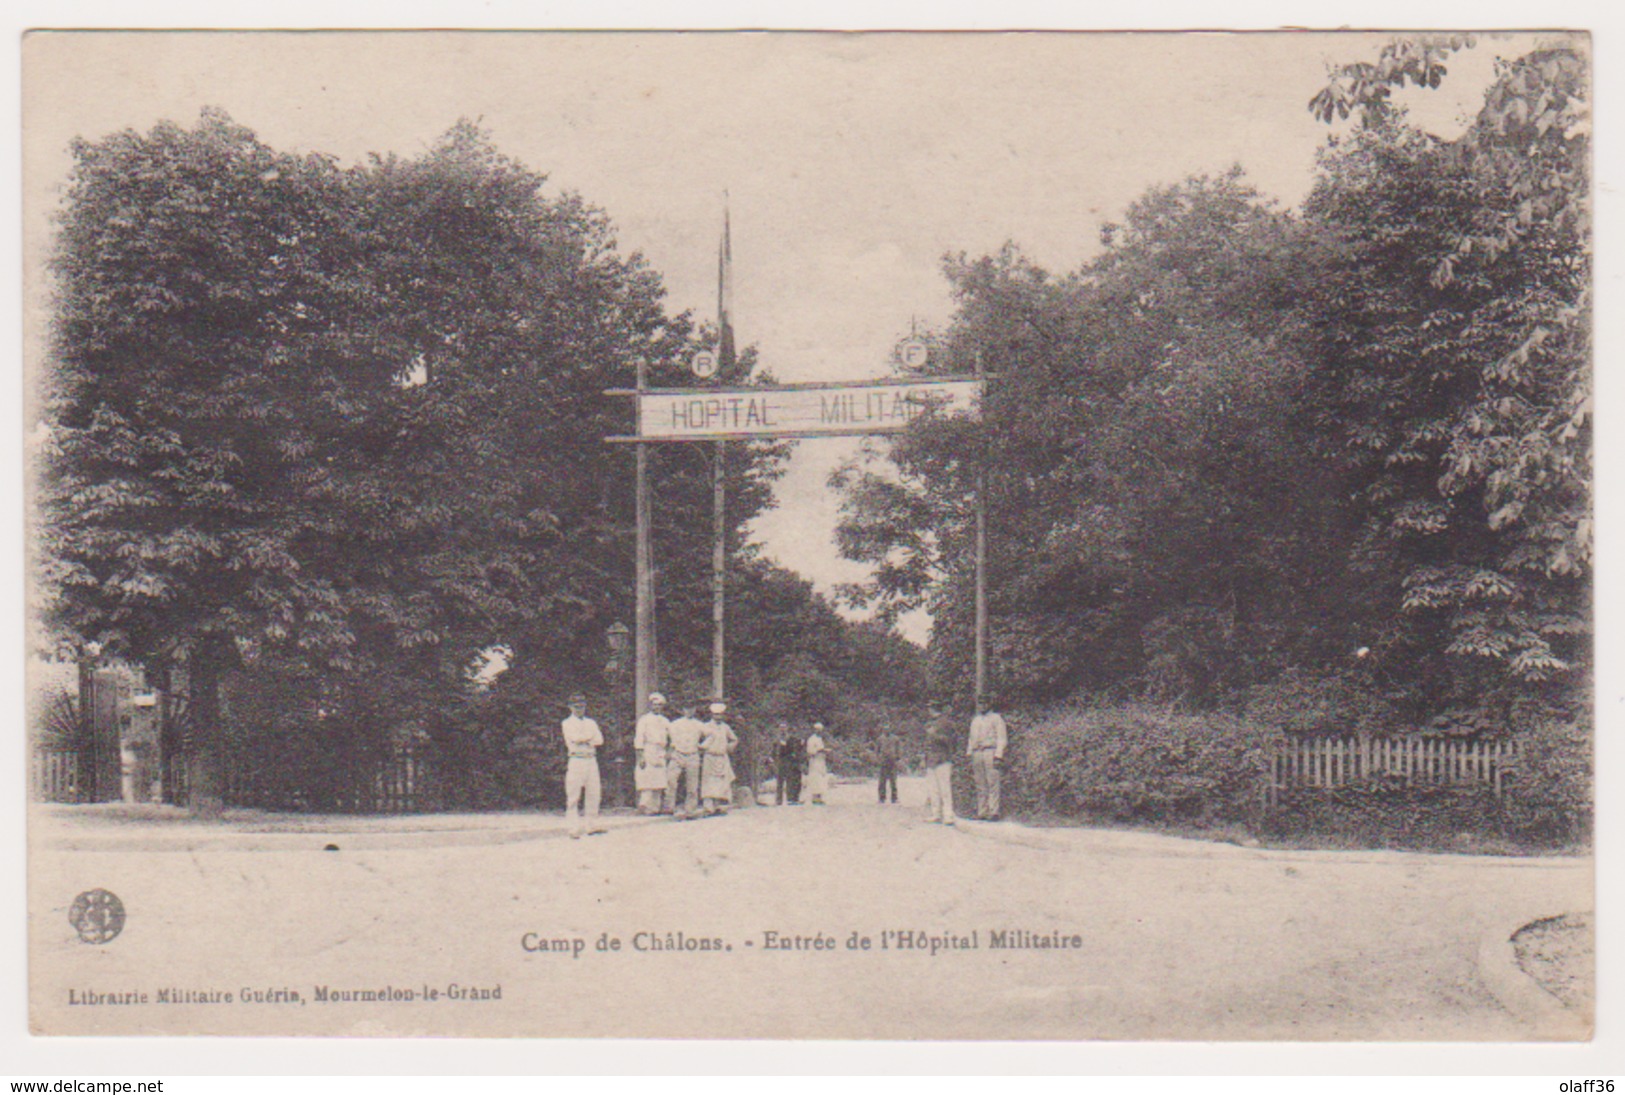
<point x="789" y="752"/>
<point x="988" y="740"/>
<point x="651" y="741"/>
<point x="888" y="750"/>
<point x="817" y="765"/>
<point x="582" y="788"/>
<point x="939" y="770"/>
<point x="683" y="768"/>
<point x="716" y="770"/>
<point x="985" y="748"/>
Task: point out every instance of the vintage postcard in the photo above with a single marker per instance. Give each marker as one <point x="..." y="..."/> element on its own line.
<point x="1019" y="536"/>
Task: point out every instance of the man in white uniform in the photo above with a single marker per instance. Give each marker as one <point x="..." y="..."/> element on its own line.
<point x="581" y="783"/>
<point x="986" y="745"/>
<point x="651" y="741"/>
<point x="817" y="766"/>
<point x="716" y="770"/>
<point x="684" y="765"/>
<point x="939" y="769"/>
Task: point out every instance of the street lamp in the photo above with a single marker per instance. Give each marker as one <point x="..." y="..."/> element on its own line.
<point x="619" y="637"/>
<point x="620" y="641"/>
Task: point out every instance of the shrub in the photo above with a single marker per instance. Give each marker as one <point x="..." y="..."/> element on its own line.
<point x="1546" y="799"/>
<point x="1328" y="704"/>
<point x="1378" y="813"/>
<point x="1551" y="792"/>
<point x="1140" y="763"/>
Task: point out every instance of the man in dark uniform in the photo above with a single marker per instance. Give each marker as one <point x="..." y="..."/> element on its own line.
<point x="888" y="750"/>
<point x="789" y="753"/>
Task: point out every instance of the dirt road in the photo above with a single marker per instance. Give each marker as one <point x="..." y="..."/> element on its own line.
<point x="1153" y="937"/>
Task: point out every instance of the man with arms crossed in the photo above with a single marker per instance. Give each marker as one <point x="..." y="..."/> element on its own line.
<point x="581" y="784"/>
<point x="684" y="767"/>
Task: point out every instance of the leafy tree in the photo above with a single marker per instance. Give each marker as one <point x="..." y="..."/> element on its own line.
<point x="1154" y="527"/>
<point x="1368" y="87"/>
<point x="344" y="419"/>
<point x="795" y="657"/>
<point x="517" y="312"/>
<point x="1453" y="335"/>
<point x="190" y="356"/>
<point x="1243" y="442"/>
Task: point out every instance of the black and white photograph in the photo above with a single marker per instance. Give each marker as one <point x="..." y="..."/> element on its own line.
<point x="891" y="536"/>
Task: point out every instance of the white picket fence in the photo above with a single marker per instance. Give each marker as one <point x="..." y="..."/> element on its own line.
<point x="1337" y="762"/>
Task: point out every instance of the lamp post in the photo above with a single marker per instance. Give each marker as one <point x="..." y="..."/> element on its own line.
<point x="620" y="641"/>
<point x="619" y="637"/>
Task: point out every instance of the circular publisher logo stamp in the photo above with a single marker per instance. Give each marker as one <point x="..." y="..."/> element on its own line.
<point x="97" y="915"/>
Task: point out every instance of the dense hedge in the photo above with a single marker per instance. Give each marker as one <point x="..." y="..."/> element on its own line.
<point x="1552" y="792"/>
<point x="1436" y="817"/>
<point x="1139" y="763"/>
<point x="1147" y="764"/>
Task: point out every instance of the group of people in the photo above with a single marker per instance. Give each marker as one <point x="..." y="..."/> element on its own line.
<point x="678" y="760"/>
<point x="794" y="758"/>
<point x="985" y="745"/>
<point x="684" y="766"/>
<point x="684" y="759"/>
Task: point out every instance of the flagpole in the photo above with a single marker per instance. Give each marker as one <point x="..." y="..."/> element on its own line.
<point x="981" y="558"/>
<point x="643" y="649"/>
<point x="719" y="565"/>
<point x="719" y="530"/>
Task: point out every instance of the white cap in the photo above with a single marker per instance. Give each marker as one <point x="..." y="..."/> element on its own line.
<point x="718" y="707"/>
<point x="656" y="697"/>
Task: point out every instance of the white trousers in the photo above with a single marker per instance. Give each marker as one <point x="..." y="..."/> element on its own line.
<point x="684" y="767"/>
<point x="939" y="792"/>
<point x="986" y="771"/>
<point x="581" y="785"/>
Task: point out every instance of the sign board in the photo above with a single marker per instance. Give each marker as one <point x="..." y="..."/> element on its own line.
<point x="704" y="364"/>
<point x="801" y="410"/>
<point x="914" y="353"/>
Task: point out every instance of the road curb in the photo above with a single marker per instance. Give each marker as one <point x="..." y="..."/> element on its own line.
<point x="1520" y="994"/>
<point x="1170" y="846"/>
<point x="1008" y="832"/>
<point x="318" y="840"/>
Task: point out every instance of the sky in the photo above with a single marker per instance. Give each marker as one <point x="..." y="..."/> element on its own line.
<point x="852" y="162"/>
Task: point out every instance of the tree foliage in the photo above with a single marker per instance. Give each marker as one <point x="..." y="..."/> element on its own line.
<point x="1454" y="350"/>
<point x="343" y="427"/>
<point x="1349" y="443"/>
<point x="1154" y="524"/>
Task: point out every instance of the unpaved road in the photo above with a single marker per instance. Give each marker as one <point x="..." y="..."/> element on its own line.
<point x="1176" y="939"/>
